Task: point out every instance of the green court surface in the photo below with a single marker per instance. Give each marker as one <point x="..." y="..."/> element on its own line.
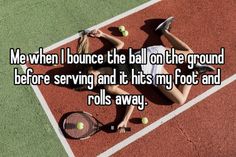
<point x="29" y="24"/>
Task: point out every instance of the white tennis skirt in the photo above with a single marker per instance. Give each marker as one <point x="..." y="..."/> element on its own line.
<point x="153" y="69"/>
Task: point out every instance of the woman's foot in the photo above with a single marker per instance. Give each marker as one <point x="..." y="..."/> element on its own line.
<point x="84" y="32"/>
<point x="165" y="25"/>
<point x="203" y="68"/>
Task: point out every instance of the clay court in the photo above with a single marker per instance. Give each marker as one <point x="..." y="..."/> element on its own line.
<point x="206" y="129"/>
<point x="205" y="126"/>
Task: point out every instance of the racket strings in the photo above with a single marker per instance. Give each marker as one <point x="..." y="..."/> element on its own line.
<point x="92" y="125"/>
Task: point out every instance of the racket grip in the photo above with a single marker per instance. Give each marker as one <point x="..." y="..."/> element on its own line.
<point x="126" y="128"/>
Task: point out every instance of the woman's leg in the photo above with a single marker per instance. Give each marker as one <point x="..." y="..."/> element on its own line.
<point x="179" y="46"/>
<point x="176" y="42"/>
<point x="182" y="48"/>
<point x="177" y="95"/>
<point x="180" y="94"/>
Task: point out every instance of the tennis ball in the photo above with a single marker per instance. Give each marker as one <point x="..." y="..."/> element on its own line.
<point x="125" y="33"/>
<point x="80" y="125"/>
<point x="144" y="120"/>
<point x="121" y="28"/>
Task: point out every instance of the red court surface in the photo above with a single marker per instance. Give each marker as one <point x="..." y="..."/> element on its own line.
<point x="207" y="129"/>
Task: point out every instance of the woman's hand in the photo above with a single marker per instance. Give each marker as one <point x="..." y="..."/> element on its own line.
<point x="96" y="33"/>
<point x="122" y="126"/>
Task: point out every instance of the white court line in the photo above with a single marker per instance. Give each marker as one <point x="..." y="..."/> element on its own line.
<point x="105" y="23"/>
<point x="67" y="40"/>
<point x="167" y="117"/>
<point x="51" y="117"/>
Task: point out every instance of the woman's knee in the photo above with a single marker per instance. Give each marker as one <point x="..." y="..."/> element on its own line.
<point x="181" y="101"/>
<point x="190" y="51"/>
<point x="110" y="89"/>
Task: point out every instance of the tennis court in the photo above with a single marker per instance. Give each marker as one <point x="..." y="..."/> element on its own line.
<point x="203" y="126"/>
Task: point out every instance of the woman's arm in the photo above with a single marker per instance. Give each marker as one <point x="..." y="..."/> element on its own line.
<point x="123" y="123"/>
<point x="115" y="41"/>
<point x="114" y="89"/>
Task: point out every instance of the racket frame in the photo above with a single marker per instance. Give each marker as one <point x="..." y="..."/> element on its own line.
<point x="96" y="129"/>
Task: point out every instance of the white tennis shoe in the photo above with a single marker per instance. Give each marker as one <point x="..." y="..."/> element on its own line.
<point x="165" y="25"/>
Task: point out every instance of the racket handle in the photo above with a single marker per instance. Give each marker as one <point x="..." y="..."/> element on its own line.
<point x="126" y="128"/>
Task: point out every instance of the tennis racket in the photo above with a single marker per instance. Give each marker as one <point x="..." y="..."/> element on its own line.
<point x="90" y="125"/>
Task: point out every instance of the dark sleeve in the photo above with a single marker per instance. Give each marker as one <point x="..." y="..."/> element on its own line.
<point x="81" y="88"/>
<point x="104" y="64"/>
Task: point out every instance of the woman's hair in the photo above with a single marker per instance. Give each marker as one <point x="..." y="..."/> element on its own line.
<point x="83" y="44"/>
<point x="83" y="48"/>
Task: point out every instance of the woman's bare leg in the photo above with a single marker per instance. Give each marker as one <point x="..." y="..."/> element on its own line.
<point x="182" y="48"/>
<point x="179" y="46"/>
<point x="180" y="94"/>
<point x="177" y="95"/>
<point x="176" y="42"/>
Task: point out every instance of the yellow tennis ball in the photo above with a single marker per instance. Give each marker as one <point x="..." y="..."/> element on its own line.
<point x="144" y="120"/>
<point x="80" y="125"/>
<point x="125" y="33"/>
<point x="121" y="28"/>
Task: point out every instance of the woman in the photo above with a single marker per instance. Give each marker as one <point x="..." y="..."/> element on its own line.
<point x="177" y="95"/>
